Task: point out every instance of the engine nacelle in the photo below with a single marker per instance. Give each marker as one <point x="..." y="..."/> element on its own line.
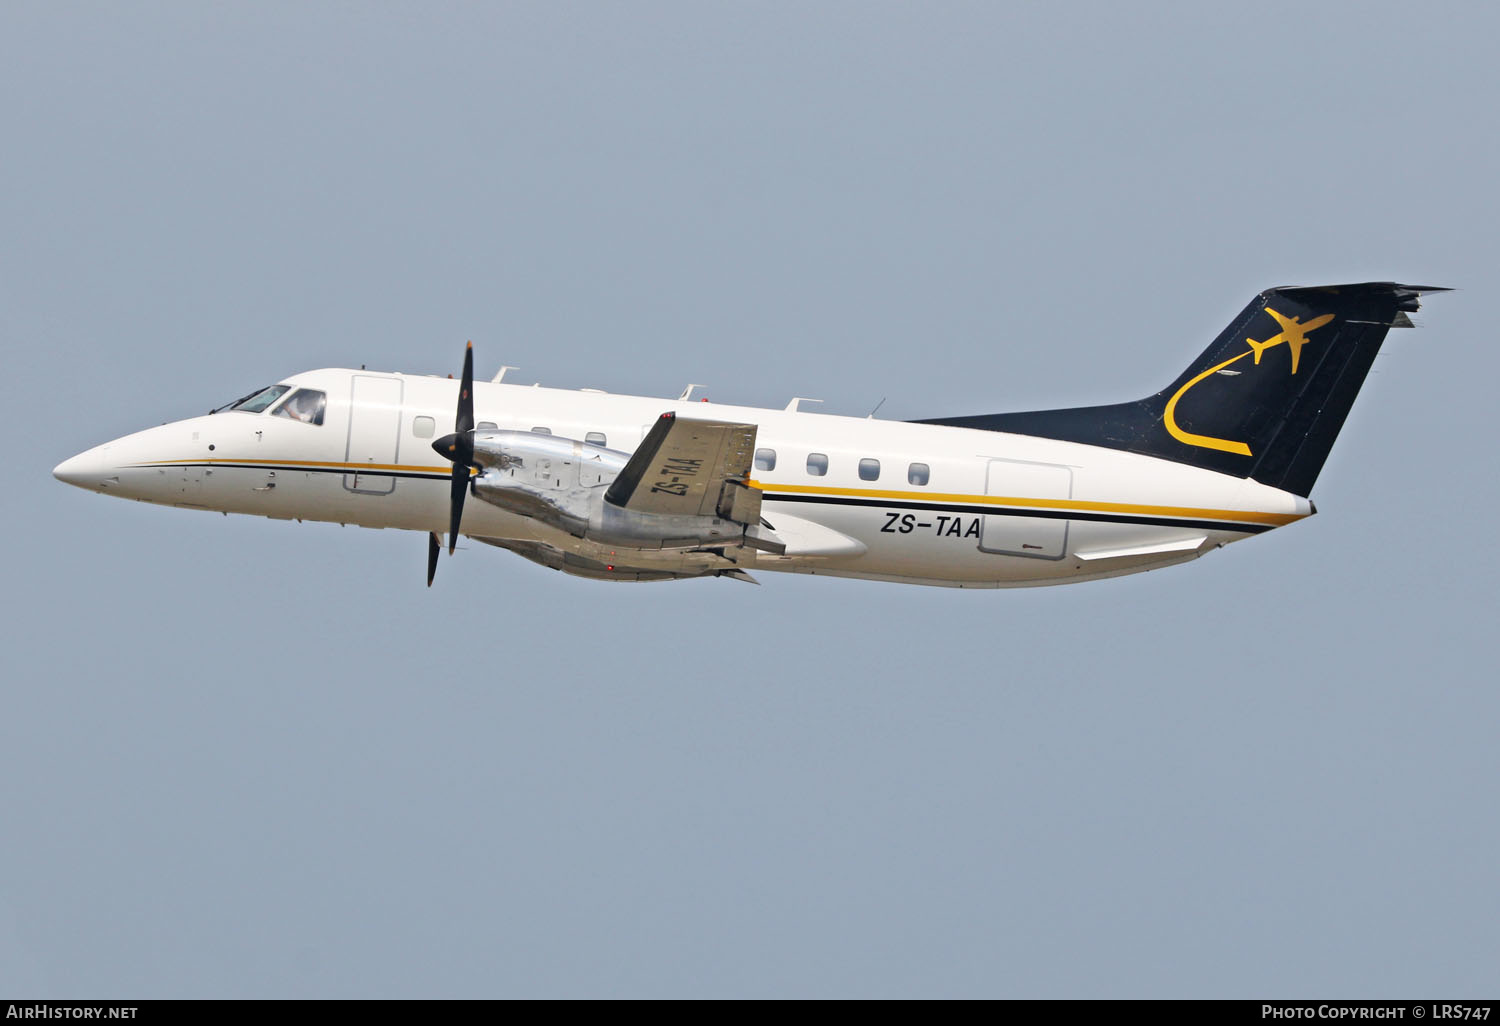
<point x="562" y="481"/>
<point x="555" y="480"/>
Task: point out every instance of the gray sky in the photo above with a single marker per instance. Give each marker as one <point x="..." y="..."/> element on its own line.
<point x="1270" y="772"/>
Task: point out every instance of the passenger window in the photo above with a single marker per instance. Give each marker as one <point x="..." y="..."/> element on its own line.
<point x="423" y="427"/>
<point x="765" y="459"/>
<point x="917" y="474"/>
<point x="305" y="405"/>
<point x="541" y="431"/>
<point x="869" y="470"/>
<point x="817" y="464"/>
<point x="596" y="438"/>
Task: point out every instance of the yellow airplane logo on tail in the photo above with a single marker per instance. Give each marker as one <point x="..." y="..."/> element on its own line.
<point x="1293" y="333"/>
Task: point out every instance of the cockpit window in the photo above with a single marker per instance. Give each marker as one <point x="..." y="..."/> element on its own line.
<point x="255" y="402"/>
<point x="306" y="405"/>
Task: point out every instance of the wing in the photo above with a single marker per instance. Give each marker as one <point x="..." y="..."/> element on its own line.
<point x="691" y="468"/>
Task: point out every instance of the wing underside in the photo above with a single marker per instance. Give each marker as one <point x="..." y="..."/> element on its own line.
<point x="691" y="468"/>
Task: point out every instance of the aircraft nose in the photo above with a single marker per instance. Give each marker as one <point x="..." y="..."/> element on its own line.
<point x="86" y="470"/>
<point x="69" y="471"/>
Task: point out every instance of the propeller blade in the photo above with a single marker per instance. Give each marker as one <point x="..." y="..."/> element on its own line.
<point x="464" y="422"/>
<point x="459" y="449"/>
<point x="456" y="492"/>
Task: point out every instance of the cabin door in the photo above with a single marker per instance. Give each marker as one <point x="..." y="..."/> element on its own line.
<point x="374" y="430"/>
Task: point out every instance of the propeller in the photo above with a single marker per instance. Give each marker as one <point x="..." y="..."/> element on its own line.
<point x="459" y="448"/>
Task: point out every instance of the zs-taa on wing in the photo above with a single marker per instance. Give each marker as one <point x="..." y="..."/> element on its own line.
<point x="691" y="468"/>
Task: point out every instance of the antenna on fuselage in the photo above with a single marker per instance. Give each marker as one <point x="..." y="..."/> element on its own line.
<point x="501" y="376"/>
<point x="687" y="393"/>
<point x="792" y="407"/>
<point x="876" y="409"/>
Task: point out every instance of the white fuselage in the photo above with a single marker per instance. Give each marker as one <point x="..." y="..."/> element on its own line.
<point x="991" y="510"/>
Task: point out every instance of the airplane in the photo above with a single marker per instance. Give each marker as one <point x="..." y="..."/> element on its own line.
<point x="631" y="488"/>
<point x="1293" y="333"/>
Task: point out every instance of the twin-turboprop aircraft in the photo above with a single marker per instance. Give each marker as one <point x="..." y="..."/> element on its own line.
<point x="625" y="488"/>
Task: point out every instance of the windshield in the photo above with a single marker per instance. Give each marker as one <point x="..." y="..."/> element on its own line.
<point x="255" y="402"/>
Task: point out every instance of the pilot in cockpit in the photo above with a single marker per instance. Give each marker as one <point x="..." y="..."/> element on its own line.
<point x="305" y="405"/>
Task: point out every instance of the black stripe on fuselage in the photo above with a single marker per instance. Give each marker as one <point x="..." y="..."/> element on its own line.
<point x="1008" y="511"/>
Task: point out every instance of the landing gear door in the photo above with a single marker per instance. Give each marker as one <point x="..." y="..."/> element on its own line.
<point x="374" y="431"/>
<point x="1039" y="536"/>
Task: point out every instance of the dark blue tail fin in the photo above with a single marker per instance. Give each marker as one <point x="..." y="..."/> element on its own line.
<point x="1265" y="400"/>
